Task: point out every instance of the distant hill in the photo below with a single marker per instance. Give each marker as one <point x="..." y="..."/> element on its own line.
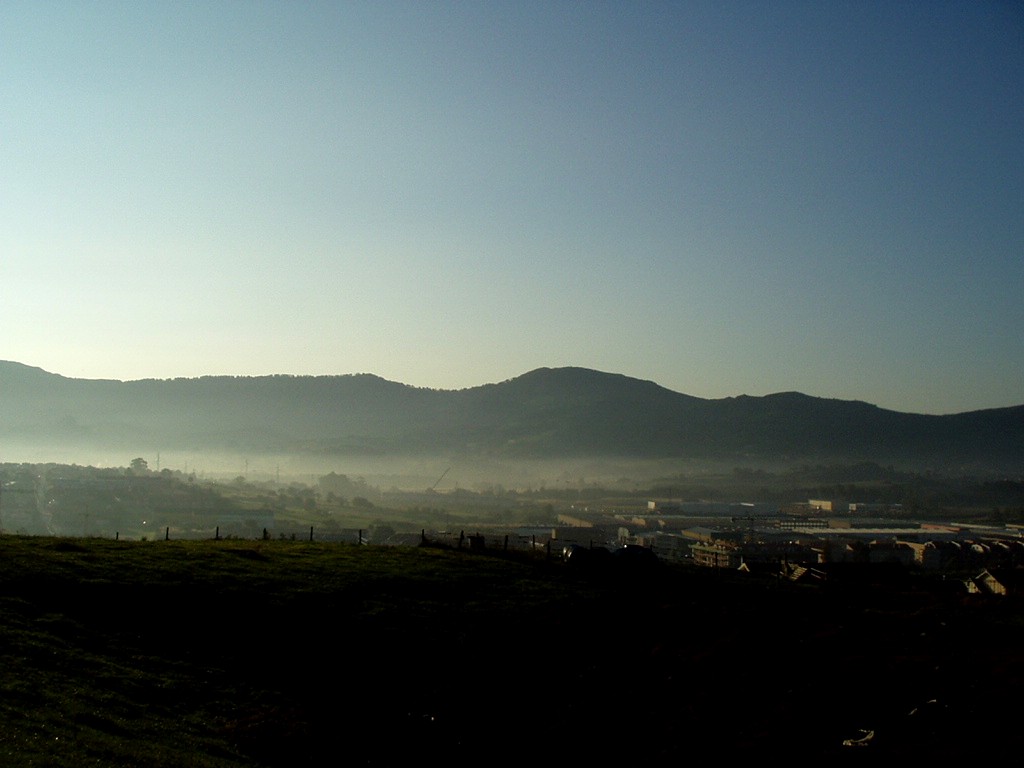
<point x="545" y="413"/>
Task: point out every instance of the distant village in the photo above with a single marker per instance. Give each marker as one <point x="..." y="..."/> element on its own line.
<point x="816" y="541"/>
<point x="820" y="541"/>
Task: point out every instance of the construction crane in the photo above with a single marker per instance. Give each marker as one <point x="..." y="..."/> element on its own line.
<point x="439" y="479"/>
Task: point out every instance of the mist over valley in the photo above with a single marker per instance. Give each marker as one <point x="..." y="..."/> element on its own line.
<point x="567" y="425"/>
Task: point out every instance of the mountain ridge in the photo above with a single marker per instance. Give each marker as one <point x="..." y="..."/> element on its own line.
<point x="543" y="413"/>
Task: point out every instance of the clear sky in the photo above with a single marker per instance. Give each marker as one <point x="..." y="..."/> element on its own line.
<point x="724" y="198"/>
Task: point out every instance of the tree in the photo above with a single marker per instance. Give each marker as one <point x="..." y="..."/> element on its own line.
<point x="139" y="465"/>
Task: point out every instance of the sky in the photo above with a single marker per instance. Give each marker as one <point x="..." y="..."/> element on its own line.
<point x="724" y="198"/>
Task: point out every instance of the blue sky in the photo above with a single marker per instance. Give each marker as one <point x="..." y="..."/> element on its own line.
<point x="722" y="198"/>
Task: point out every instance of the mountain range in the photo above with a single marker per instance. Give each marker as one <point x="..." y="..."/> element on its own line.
<point x="546" y="413"/>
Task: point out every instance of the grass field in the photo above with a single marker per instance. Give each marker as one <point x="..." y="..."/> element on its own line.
<point x="280" y="653"/>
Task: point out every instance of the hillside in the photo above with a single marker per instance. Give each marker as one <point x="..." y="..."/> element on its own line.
<point x="231" y="653"/>
<point x="545" y="413"/>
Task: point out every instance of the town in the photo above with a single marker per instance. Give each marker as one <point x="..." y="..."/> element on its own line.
<point x="812" y="541"/>
<point x="815" y="540"/>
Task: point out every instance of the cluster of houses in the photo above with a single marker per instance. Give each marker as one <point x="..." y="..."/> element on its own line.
<point x="811" y="541"/>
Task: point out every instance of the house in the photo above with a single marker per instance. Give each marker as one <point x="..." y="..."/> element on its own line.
<point x="998" y="581"/>
<point x="802" y="573"/>
<point x="886" y="551"/>
<point x="716" y="555"/>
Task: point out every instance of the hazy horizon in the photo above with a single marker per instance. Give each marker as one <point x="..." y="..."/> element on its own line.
<point x="723" y="199"/>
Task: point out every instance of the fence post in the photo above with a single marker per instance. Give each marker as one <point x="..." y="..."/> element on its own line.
<point x="167" y="533"/>
<point x="311" y="533"/>
<point x="216" y="534"/>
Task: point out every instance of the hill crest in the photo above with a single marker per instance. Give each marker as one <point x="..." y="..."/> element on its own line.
<point x="544" y="413"/>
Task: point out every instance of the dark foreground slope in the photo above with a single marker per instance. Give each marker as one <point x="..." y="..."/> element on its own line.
<point x="547" y="413"/>
<point x="281" y="654"/>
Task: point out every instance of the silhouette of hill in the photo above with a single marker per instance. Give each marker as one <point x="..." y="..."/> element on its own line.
<point x="542" y="414"/>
